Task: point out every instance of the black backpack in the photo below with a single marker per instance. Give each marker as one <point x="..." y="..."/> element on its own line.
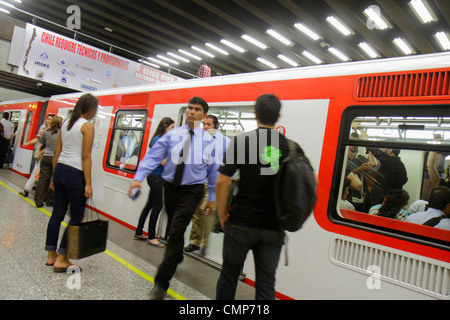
<point x="433" y="221"/>
<point x="295" y="189"/>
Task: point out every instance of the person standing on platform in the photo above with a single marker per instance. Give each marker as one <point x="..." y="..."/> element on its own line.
<point x="155" y="197"/>
<point x="37" y="154"/>
<point x="48" y="138"/>
<point x="71" y="178"/>
<point x="189" y="165"/>
<point x="251" y="223"/>
<point x="202" y="224"/>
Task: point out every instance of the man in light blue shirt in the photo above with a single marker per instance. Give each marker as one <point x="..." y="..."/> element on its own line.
<point x="197" y="169"/>
<point x="181" y="196"/>
<point x="202" y="223"/>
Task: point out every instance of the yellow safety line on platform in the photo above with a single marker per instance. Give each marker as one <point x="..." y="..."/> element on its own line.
<point x="109" y="253"/>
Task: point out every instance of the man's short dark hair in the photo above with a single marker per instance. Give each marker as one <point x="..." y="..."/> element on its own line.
<point x="200" y="101"/>
<point x="214" y="120"/>
<point x="267" y="109"/>
<point x="5" y="115"/>
<point x="439" y="197"/>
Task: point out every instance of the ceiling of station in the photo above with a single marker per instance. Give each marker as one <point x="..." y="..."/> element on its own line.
<point x="140" y="29"/>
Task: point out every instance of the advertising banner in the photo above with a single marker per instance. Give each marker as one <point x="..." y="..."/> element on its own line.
<point x="60" y="60"/>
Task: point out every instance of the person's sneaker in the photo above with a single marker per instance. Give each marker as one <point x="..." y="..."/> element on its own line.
<point x="191" y="248"/>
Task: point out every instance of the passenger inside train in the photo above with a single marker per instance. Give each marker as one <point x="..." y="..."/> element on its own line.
<point x="395" y="164"/>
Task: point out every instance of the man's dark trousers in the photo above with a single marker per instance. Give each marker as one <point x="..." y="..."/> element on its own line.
<point x="181" y="203"/>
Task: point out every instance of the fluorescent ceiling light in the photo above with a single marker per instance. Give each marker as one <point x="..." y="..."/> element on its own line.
<point x="167" y="59"/>
<point x="149" y="63"/>
<point x="307" y="31"/>
<point x="368" y="49"/>
<point x="254" y="41"/>
<point x="338" y="54"/>
<point x="403" y="45"/>
<point x="311" y="57"/>
<point x="178" y="57"/>
<point x="376" y="17"/>
<point x="267" y="63"/>
<point x="7" y="4"/>
<point x="279" y="37"/>
<point x="206" y="53"/>
<point x="189" y="54"/>
<point x="443" y="40"/>
<point x="286" y="59"/>
<point x="339" y="25"/>
<point x="18" y="1"/>
<point x="4" y="11"/>
<point x="216" y="48"/>
<point x="232" y="45"/>
<point x="423" y="10"/>
<point x="158" y="62"/>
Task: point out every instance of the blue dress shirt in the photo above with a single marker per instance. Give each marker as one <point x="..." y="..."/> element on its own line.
<point x="159" y="169"/>
<point x="203" y="160"/>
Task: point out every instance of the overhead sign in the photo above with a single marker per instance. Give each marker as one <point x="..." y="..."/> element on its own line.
<point x="57" y="59"/>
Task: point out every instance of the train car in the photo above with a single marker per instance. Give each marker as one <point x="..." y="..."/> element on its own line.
<point x="401" y="103"/>
<point x="27" y="115"/>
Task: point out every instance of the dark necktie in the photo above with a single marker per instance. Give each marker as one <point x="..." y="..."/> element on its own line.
<point x="183" y="154"/>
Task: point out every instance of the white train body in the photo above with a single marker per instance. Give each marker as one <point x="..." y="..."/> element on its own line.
<point x="334" y="255"/>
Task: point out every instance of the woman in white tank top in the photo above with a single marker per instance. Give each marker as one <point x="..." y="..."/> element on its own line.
<point x="71" y="178"/>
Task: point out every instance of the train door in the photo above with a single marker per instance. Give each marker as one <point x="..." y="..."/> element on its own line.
<point x="237" y="117"/>
<point x="15" y="119"/>
<point x="25" y="120"/>
<point x="121" y="132"/>
<point x="233" y="118"/>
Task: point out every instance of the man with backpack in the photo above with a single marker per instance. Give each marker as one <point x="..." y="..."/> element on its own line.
<point x="251" y="223"/>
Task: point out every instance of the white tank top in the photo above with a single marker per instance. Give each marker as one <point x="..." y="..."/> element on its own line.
<point x="72" y="142"/>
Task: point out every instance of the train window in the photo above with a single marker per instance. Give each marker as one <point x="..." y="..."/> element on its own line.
<point x="388" y="161"/>
<point x="232" y="119"/>
<point x="14" y="117"/>
<point x="126" y="140"/>
<point x="26" y="128"/>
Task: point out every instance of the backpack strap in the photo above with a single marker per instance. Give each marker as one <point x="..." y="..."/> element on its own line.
<point x="294" y="149"/>
<point x="433" y="221"/>
<point x="286" y="240"/>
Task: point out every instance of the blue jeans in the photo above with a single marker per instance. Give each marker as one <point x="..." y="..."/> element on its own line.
<point x="266" y="246"/>
<point x="69" y="189"/>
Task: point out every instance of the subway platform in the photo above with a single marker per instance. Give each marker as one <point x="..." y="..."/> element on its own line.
<point x="125" y="271"/>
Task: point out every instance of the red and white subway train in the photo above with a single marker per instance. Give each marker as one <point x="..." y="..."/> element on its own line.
<point x="402" y="103"/>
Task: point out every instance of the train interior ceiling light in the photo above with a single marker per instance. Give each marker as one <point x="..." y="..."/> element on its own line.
<point x="247" y="36"/>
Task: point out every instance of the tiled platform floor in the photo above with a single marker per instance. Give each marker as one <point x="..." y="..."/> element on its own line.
<point x="123" y="272"/>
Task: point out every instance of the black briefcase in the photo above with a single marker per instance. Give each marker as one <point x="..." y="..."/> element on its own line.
<point x="87" y="238"/>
